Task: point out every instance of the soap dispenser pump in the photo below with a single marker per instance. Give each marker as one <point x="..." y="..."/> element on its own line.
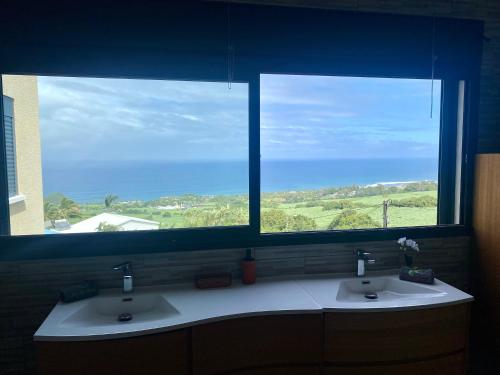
<point x="248" y="268"/>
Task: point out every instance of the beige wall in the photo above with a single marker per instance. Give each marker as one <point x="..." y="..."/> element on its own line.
<point x="26" y="216"/>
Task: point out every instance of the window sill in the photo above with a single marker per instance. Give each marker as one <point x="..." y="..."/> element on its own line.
<point x="16" y="199"/>
<point x="136" y="242"/>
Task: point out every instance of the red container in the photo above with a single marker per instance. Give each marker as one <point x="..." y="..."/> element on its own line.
<point x="249" y="269"/>
<point x="213" y="280"/>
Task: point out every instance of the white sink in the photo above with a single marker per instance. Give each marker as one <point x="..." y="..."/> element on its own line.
<point x="382" y="289"/>
<point x="104" y="310"/>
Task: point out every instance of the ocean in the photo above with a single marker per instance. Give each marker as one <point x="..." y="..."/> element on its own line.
<point x="87" y="182"/>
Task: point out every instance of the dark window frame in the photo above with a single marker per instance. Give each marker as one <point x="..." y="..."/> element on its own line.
<point x="115" y="243"/>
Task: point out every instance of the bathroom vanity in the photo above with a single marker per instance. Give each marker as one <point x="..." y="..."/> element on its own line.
<point x="308" y="326"/>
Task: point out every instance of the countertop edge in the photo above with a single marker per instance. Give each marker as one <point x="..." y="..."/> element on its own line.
<point x="172" y="327"/>
<point x="400" y="308"/>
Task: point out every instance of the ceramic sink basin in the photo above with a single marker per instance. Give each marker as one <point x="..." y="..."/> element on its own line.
<point x="120" y="309"/>
<point x="382" y="289"/>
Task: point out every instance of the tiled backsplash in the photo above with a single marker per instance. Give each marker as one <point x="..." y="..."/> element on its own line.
<point x="29" y="289"/>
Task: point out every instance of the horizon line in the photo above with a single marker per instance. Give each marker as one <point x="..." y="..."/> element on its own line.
<point x="231" y="160"/>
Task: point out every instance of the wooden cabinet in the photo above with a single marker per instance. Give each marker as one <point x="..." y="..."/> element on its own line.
<point x="284" y="344"/>
<point x="487" y="252"/>
<point x="418" y="342"/>
<point x="453" y="364"/>
<point x="372" y="337"/>
<point x="280" y="370"/>
<point x="165" y="353"/>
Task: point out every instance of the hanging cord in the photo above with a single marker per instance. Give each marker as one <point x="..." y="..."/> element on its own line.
<point x="433" y="61"/>
<point x="230" y="50"/>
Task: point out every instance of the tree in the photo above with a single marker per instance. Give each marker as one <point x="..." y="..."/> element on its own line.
<point x="54" y="198"/>
<point x="301" y="223"/>
<point x="50" y="212"/>
<point x="64" y="209"/>
<point x="351" y="219"/>
<point x="106" y="227"/>
<point x="68" y="209"/>
<point x="109" y="200"/>
<point x="274" y="221"/>
<point x="220" y="216"/>
<point x="278" y="221"/>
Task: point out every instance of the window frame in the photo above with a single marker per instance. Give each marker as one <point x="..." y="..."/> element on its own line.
<point x="122" y="243"/>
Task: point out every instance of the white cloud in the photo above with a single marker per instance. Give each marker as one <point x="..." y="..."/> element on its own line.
<point x="85" y="118"/>
<point x="190" y="117"/>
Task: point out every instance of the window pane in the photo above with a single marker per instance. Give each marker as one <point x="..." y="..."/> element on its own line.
<point x="348" y="152"/>
<point x="119" y="154"/>
<point x="10" y="151"/>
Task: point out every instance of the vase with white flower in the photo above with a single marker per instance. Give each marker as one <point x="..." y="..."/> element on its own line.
<point x="409" y="248"/>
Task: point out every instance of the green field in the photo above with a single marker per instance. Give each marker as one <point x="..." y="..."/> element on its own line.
<point x="335" y="208"/>
<point x="398" y="216"/>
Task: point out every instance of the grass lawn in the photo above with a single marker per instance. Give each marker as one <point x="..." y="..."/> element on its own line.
<point x="370" y="205"/>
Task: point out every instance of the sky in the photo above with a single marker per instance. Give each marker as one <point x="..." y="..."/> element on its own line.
<point x="315" y="117"/>
<point x="302" y="117"/>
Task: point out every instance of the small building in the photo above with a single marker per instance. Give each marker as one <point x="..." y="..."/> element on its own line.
<point x="121" y="222"/>
<point x="23" y="152"/>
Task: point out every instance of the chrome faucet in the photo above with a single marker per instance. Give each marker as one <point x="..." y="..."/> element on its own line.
<point x="362" y="257"/>
<point x="126" y="267"/>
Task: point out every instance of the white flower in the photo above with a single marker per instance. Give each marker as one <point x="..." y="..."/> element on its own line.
<point x="412" y="244"/>
<point x="407" y="243"/>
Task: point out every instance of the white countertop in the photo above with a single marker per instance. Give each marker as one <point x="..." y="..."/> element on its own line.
<point x="190" y="306"/>
<point x="321" y="290"/>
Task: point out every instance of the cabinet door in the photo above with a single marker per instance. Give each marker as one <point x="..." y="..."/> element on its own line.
<point x="395" y="336"/>
<point x="257" y="342"/>
<point x="294" y="370"/>
<point x="449" y="365"/>
<point x="165" y="353"/>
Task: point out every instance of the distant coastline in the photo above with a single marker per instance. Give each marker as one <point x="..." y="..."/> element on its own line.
<point x="145" y="181"/>
<point x="398" y="183"/>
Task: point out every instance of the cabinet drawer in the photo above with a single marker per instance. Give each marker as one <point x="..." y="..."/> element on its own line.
<point x="288" y="370"/>
<point x="395" y="336"/>
<point x="285" y="340"/>
<point x="449" y="365"/>
<point x="164" y="353"/>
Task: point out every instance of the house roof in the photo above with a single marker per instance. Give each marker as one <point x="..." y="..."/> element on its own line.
<point x="91" y="224"/>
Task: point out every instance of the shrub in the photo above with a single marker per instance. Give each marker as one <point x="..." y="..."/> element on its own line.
<point x="337" y="205"/>
<point x="278" y="221"/>
<point x="420" y="186"/>
<point x="220" y="216"/>
<point x="423" y="201"/>
<point x="351" y="219"/>
<point x="309" y="204"/>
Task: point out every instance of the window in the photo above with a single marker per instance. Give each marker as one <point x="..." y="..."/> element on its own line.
<point x="127" y="154"/>
<point x="348" y="152"/>
<point x="10" y="144"/>
<point x="331" y="154"/>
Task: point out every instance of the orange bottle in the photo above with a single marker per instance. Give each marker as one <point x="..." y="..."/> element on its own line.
<point x="248" y="268"/>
